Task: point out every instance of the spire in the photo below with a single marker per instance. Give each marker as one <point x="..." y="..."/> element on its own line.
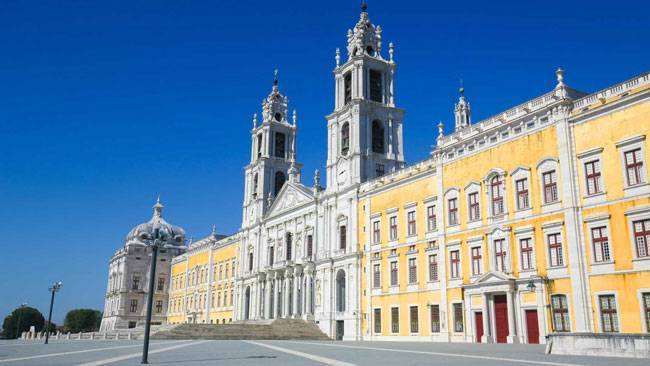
<point x="364" y="6"/>
<point x="275" y="77"/>
<point x="157" y="208"/>
<point x="214" y="231"/>
<point x="316" y="181"/>
<point x="364" y="38"/>
<point x="441" y="127"/>
<point x="462" y="110"/>
<point x="561" y="88"/>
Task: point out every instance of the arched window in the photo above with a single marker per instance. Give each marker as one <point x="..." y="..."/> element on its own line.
<point x="496" y="185"/>
<point x="279" y="182"/>
<point x="255" y="180"/>
<point x="340" y="290"/>
<point x="377" y="137"/>
<point x="345" y="138"/>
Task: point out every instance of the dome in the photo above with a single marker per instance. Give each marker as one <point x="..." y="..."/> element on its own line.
<point x="175" y="234"/>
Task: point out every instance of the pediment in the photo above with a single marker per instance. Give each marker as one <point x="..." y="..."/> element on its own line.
<point x="291" y="195"/>
<point x="493" y="277"/>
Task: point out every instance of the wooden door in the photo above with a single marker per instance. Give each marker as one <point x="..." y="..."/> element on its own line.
<point x="339" y="330"/>
<point x="478" y="321"/>
<point x="501" y="318"/>
<point x="532" y="326"/>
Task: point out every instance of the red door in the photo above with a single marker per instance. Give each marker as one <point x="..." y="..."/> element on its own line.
<point x="501" y="318"/>
<point x="532" y="326"/>
<point x="478" y="320"/>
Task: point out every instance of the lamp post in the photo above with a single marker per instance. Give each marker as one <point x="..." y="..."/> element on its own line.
<point x="158" y="238"/>
<point x="20" y="316"/>
<point x="56" y="286"/>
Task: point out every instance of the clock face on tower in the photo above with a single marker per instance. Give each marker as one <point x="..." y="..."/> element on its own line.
<point x="342" y="171"/>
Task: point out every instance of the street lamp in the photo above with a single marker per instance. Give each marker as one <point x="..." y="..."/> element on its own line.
<point x="20" y="315"/>
<point x="56" y="286"/>
<point x="159" y="238"/>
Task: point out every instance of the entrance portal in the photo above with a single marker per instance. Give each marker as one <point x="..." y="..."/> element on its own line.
<point x="339" y="330"/>
<point x="532" y="326"/>
<point x="501" y="318"/>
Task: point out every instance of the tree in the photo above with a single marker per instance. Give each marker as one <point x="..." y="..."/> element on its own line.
<point x="82" y="320"/>
<point x="20" y="320"/>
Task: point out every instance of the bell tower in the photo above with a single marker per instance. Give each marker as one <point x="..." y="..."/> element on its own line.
<point x="273" y="155"/>
<point x="365" y="130"/>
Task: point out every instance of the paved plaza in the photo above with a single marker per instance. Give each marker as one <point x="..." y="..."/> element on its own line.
<point x="285" y="353"/>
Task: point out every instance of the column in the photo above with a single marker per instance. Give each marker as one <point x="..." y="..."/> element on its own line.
<point x="276" y="297"/>
<point x="285" y="298"/>
<point x="512" y="332"/>
<point x="296" y="299"/>
<point x="486" y="320"/>
<point x="267" y="298"/>
<point x="308" y="295"/>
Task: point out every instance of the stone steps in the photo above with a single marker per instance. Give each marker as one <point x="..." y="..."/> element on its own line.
<point x="268" y="330"/>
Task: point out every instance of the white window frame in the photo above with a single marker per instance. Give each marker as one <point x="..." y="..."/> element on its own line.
<point x="408" y="208"/>
<point x="593" y="222"/>
<point x="639" y="294"/>
<point x="431" y="202"/>
<point x="473" y="187"/>
<point x="451" y="194"/>
<point x="517" y="174"/>
<point x="487" y="181"/>
<point x="374" y="221"/>
<point x="381" y="321"/>
<point x="498" y="234"/>
<point x="390" y="213"/>
<point x="549" y="228"/>
<point x="410" y="320"/>
<point x="586" y="157"/>
<point x="453" y="246"/>
<point x="526" y="232"/>
<point x="393" y="288"/>
<point x="623" y="146"/>
<point x="544" y="166"/>
<point x="597" y="296"/>
<point x="637" y="214"/>
<point x="476" y="242"/>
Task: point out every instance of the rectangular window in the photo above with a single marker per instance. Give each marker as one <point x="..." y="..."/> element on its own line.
<point x="394" y="320"/>
<point x="592" y="174"/>
<point x="310" y="245"/>
<point x="410" y="218"/>
<point x="500" y="255"/>
<point x="633" y="167"/>
<point x="393" y="227"/>
<point x="435" y="318"/>
<point x="453" y="211"/>
<point x="376" y="232"/>
<point x="219" y="299"/>
<point x="226" y="275"/>
<point x="259" y="145"/>
<point x="608" y="314"/>
<point x="376" y="86"/>
<point x="343" y="237"/>
<point x="134" y="305"/>
<point x="454" y="260"/>
<point x="522" y="194"/>
<point x="135" y="284"/>
<point x="279" y="145"/>
<point x="642" y="238"/>
<point x="474" y="208"/>
<point x="347" y="87"/>
<point x="600" y="244"/>
<point x="645" y="298"/>
<point x="220" y="272"/>
<point x="415" y="323"/>
<point x="550" y="186"/>
<point x="413" y="271"/>
<point x="526" y="249"/>
<point x="431" y="218"/>
<point x="159" y="306"/>
<point x="476" y="261"/>
<point x="250" y="262"/>
<point x="377" y="319"/>
<point x="433" y="267"/>
<point x="232" y="296"/>
<point x="271" y="255"/>
<point x="393" y="273"/>
<point x="161" y="284"/>
<point x="458" y="317"/>
<point x="555" y="250"/>
<point x="376" y="275"/>
<point x="233" y="268"/>
<point x="560" y="312"/>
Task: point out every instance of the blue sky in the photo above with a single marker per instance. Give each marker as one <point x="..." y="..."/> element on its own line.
<point x="104" y="105"/>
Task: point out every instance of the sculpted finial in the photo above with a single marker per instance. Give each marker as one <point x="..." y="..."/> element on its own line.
<point x="364" y="6"/>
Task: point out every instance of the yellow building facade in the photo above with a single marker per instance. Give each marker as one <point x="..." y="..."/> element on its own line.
<point x="534" y="221"/>
<point x="202" y="282"/>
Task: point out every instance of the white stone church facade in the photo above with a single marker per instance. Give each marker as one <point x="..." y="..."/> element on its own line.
<point x="298" y="254"/>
